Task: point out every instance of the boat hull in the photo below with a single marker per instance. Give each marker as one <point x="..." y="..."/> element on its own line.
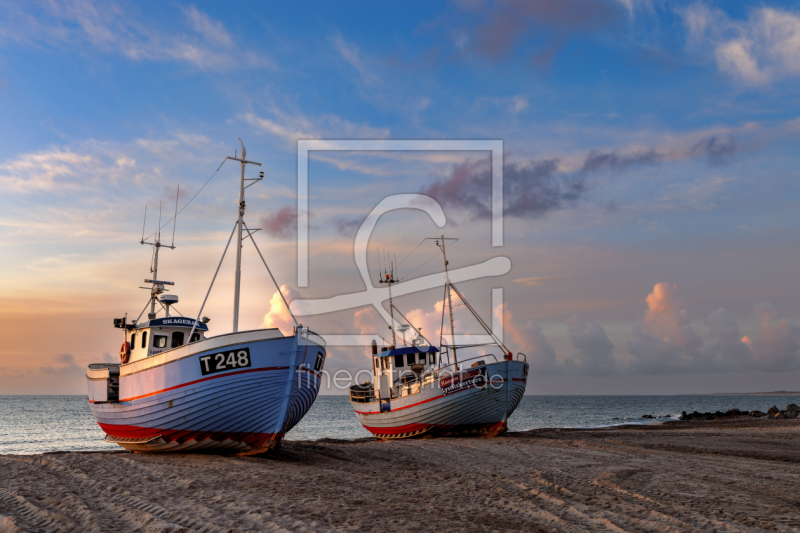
<point x="166" y="403"/>
<point x="451" y="405"/>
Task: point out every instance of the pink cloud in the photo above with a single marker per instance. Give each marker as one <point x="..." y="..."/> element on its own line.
<point x="281" y="224"/>
<point x="278" y="316"/>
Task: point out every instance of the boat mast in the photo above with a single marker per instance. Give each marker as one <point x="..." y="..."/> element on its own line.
<point x="449" y="299"/>
<point x="388" y="281"/>
<point x="157" y="286"/>
<point x="239" y="224"/>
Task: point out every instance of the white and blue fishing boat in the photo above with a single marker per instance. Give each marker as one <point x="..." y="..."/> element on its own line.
<point x="178" y="388"/>
<point x="423" y="390"/>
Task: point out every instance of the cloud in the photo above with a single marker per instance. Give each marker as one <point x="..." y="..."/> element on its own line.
<point x="347" y="226"/>
<point x="529" y="191"/>
<point x="282" y="223"/>
<point x="529" y="282"/>
<point x="513" y="105"/>
<point x="350" y="53"/>
<point x="667" y="343"/>
<point x="110" y="28"/>
<point x="538" y="187"/>
<point x="775" y="347"/>
<point x="594" y="352"/>
<point x="606" y="160"/>
<point x="368" y="321"/>
<point x="278" y="316"/>
<point x="211" y="30"/>
<point x="725" y="347"/>
<point x="758" y="50"/>
<point x="528" y="339"/>
<point x="65" y="365"/>
<point x="511" y="19"/>
<point x="91" y="164"/>
<point x="292" y="127"/>
<point x="717" y="148"/>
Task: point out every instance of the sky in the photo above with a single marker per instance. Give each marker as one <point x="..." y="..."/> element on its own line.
<point x="649" y="162"/>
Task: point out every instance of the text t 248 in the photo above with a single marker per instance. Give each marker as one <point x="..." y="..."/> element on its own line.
<point x="220" y="362"/>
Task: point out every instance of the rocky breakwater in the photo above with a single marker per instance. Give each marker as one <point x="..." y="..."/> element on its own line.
<point x="773" y="413"/>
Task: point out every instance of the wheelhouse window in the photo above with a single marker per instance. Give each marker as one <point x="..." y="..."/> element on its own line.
<point x="195" y="337"/>
<point x="133" y="341"/>
<point x="159" y="341"/>
<point x="398" y="361"/>
<point x="410" y="358"/>
<point x="432" y="358"/>
<point x="377" y="364"/>
<point x="177" y="339"/>
<point x="144" y="339"/>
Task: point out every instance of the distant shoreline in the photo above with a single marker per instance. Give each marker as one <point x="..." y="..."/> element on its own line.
<point x="776" y="393"/>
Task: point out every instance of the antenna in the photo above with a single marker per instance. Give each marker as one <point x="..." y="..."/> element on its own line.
<point x="145" y="222"/>
<point x="388" y="279"/>
<point x="159" y="221"/>
<point x="175" y="218"/>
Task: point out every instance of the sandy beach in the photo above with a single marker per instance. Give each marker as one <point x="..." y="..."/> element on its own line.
<point x="724" y="475"/>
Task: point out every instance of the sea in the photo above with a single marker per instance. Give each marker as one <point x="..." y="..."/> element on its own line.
<point x="39" y="424"/>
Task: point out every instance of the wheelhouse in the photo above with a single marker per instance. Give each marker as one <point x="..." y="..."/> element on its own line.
<point x="162" y="334"/>
<point x="397" y="372"/>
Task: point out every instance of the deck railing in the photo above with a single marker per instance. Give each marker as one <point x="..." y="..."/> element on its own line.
<point x="362" y="396"/>
<point x="455" y="368"/>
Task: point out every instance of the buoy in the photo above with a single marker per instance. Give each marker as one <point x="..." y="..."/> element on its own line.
<point x="125" y="352"/>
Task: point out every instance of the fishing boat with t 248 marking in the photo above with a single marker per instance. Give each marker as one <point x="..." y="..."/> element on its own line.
<point x="178" y="389"/>
<point x="415" y="392"/>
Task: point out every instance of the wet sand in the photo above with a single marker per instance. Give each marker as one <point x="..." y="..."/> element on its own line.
<point x="723" y="475"/>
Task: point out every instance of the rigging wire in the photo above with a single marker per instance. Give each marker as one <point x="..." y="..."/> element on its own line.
<point x="412" y="251"/>
<point x="250" y="234"/>
<point x="190" y="201"/>
<point x="420" y="266"/>
<point x="423" y="264"/>
<point x="212" y="282"/>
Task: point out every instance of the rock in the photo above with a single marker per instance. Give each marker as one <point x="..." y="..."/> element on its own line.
<point x="733" y="412"/>
<point x="793" y="407"/>
<point x="649" y="417"/>
<point x="779" y="416"/>
<point x="683" y="416"/>
<point x="790" y="414"/>
<point x="758" y="414"/>
<point x="773" y="410"/>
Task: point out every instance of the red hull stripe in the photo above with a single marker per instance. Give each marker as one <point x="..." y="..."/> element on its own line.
<point x="266" y="369"/>
<point x="425" y="401"/>
<point x="256" y="440"/>
<point x="398" y="429"/>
